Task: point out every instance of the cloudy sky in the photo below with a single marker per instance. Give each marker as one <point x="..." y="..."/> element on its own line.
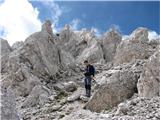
<point x="20" y="18"/>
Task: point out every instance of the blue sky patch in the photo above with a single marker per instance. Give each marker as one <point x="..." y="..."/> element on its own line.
<point x="126" y="15"/>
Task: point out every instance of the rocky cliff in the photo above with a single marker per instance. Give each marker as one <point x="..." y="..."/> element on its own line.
<point x="42" y="76"/>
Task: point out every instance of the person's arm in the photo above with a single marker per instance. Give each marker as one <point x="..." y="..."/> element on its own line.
<point x="92" y="77"/>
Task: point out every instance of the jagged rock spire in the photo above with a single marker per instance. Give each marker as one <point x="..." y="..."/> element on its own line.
<point x="46" y="27"/>
<point x="67" y="27"/>
<point x="5" y="47"/>
<point x="110" y="41"/>
<point x="140" y="34"/>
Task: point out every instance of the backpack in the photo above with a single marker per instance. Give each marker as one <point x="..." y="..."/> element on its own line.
<point x="92" y="70"/>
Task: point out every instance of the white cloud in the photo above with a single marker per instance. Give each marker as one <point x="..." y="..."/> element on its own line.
<point x="56" y="13"/>
<point x="75" y="23"/>
<point x="153" y="35"/>
<point x="18" y="20"/>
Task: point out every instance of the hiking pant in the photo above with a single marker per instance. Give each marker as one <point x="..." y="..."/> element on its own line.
<point x="88" y="86"/>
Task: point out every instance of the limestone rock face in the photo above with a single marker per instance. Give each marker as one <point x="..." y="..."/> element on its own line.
<point x="149" y="82"/>
<point x="93" y="50"/>
<point x="65" y="58"/>
<point x="35" y="61"/>
<point x="39" y="53"/>
<point x="140" y="34"/>
<point x="17" y="45"/>
<point x="45" y="74"/>
<point x="46" y="27"/>
<point x="120" y="86"/>
<point x="92" y="53"/>
<point x="80" y="44"/>
<point x="43" y="53"/>
<point x="110" y="42"/>
<point x="5" y="47"/>
<point x="71" y="41"/>
<point x="136" y="47"/>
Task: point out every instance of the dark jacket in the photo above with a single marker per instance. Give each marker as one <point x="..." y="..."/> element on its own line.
<point x="89" y="70"/>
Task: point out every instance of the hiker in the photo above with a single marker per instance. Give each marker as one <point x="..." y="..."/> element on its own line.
<point x="89" y="74"/>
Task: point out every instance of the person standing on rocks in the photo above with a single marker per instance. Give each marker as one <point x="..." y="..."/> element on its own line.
<point x="89" y="74"/>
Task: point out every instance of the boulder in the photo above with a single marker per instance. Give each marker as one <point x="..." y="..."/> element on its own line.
<point x="136" y="47"/>
<point x="110" y="41"/>
<point x="122" y="109"/>
<point x="76" y="95"/>
<point x="149" y="82"/>
<point x="84" y="98"/>
<point x="23" y="82"/>
<point x="38" y="96"/>
<point x="70" y="86"/>
<point x="116" y="88"/>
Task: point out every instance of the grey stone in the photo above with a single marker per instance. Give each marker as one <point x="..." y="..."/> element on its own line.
<point x="119" y="87"/>
<point x="5" y="47"/>
<point x="110" y="41"/>
<point x="136" y="47"/>
<point x="149" y="82"/>
<point x="8" y="105"/>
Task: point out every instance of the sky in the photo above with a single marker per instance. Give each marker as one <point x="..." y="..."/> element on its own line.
<point x="20" y="18"/>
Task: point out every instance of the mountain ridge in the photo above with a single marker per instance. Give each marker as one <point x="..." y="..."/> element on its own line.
<point x="44" y="75"/>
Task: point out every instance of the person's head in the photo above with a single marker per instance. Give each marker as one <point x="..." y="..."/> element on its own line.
<point x="86" y="63"/>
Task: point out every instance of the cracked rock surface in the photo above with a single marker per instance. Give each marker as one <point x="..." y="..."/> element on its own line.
<point x="42" y="78"/>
